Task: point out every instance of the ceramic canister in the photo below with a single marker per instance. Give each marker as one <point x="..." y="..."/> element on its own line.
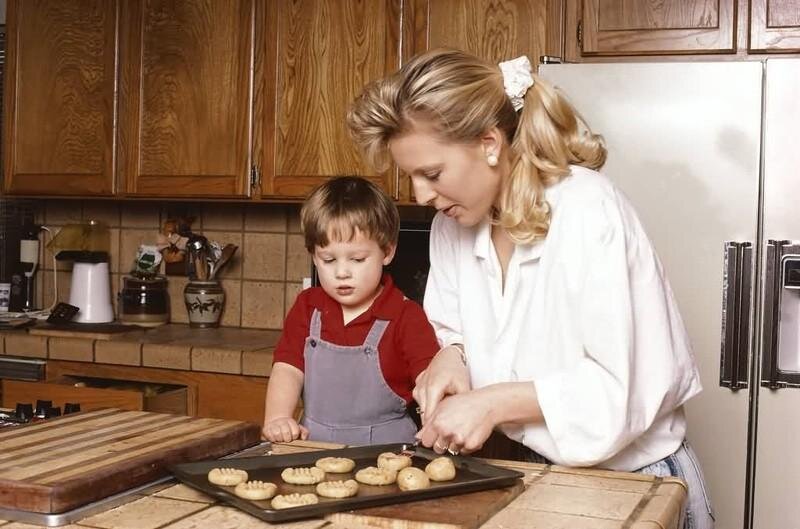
<point x="204" y="303"/>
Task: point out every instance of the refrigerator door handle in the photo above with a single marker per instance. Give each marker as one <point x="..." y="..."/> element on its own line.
<point x="737" y="295"/>
<point x="781" y="301"/>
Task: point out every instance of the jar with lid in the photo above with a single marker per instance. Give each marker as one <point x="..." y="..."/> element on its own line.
<point x="143" y="301"/>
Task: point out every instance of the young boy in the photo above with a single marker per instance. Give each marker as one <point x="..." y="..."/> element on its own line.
<point x="354" y="346"/>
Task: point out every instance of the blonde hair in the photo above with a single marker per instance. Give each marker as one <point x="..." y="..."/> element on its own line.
<point x="344" y="206"/>
<point x="462" y="97"/>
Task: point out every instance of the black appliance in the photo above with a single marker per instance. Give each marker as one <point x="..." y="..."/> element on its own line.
<point x="16" y="224"/>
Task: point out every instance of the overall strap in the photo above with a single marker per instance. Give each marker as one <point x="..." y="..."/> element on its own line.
<point x="375" y="334"/>
<point x="315" y="329"/>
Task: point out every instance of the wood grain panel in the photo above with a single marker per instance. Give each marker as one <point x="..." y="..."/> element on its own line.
<point x="67" y="462"/>
<point x="775" y="26"/>
<point x="325" y="52"/>
<point x="59" y="97"/>
<point x="496" y="30"/>
<point x="186" y="97"/>
<point x="650" y="27"/>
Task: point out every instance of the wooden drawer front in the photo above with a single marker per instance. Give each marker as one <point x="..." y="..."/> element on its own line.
<point x="14" y="391"/>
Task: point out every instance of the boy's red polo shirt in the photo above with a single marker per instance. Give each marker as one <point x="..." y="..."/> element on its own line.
<point x="404" y="352"/>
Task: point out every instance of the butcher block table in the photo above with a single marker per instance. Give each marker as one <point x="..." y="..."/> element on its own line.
<point x="549" y="497"/>
<point x="60" y="464"/>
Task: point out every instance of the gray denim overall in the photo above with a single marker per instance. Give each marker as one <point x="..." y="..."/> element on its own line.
<point x="345" y="395"/>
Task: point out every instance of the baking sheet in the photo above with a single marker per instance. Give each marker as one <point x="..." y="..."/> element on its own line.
<point x="471" y="475"/>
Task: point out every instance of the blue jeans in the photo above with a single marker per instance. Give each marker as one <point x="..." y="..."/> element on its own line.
<point x="683" y="464"/>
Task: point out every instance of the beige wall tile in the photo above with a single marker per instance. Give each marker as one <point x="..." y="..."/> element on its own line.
<point x="226" y="217"/>
<point x="118" y="352"/>
<point x="262" y="305"/>
<point x="265" y="217"/>
<point x="292" y="291"/>
<point x="146" y="513"/>
<point x="60" y="212"/>
<point x="233" y="269"/>
<point x="166" y="356"/>
<point x="102" y="210"/>
<point x="48" y="287"/>
<point x="177" y="305"/>
<point x="115" y="263"/>
<point x="129" y="242"/>
<point x="232" y="314"/>
<point x="141" y="215"/>
<point x="26" y="345"/>
<point x="216" y="360"/>
<point x="76" y="349"/>
<point x="293" y="215"/>
<point x="264" y="256"/>
<point x="257" y="363"/>
<point x="298" y="260"/>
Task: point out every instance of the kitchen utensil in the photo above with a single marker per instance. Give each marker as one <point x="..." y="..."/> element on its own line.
<point x="227" y="252"/>
<point x="197" y="248"/>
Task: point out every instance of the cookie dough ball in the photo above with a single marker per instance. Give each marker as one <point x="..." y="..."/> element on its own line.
<point x="287" y="501"/>
<point x="376" y="476"/>
<point x="441" y="469"/>
<point x="227" y="477"/>
<point x="335" y="465"/>
<point x="394" y="462"/>
<point x="255" y="490"/>
<point x="303" y="475"/>
<point x="412" y="478"/>
<point x="338" y="489"/>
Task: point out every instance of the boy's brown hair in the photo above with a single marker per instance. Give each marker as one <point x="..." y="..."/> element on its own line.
<point x="345" y="205"/>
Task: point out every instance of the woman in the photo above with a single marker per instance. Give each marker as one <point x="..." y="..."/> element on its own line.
<point x="557" y="323"/>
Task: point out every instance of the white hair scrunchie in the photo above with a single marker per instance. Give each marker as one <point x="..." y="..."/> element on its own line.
<point x="517" y="78"/>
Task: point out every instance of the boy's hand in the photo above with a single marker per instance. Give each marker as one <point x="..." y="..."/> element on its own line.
<point x="283" y="430"/>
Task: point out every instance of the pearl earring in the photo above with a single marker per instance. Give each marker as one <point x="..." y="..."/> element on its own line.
<point x="491" y="159"/>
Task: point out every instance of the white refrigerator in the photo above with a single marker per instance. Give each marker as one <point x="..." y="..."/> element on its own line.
<point x="708" y="154"/>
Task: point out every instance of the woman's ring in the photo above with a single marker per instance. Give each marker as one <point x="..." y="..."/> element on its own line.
<point x="440" y="447"/>
<point x="452" y="452"/>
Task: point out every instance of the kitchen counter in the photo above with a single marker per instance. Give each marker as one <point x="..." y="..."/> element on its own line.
<point x="554" y="498"/>
<point x="229" y="350"/>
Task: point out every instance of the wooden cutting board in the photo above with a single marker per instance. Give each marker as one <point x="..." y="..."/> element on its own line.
<point x="461" y="511"/>
<point x="57" y="465"/>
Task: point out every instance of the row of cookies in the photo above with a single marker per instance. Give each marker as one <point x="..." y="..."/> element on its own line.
<point x="390" y="468"/>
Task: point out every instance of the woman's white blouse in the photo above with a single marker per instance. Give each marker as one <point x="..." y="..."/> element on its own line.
<point x="586" y="315"/>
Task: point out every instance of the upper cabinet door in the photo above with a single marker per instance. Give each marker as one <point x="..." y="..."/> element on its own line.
<point x="318" y="55"/>
<point x="185" y="97"/>
<point x="774" y="26"/>
<point x="495" y="30"/>
<point x="649" y="27"/>
<point x="59" y="97"/>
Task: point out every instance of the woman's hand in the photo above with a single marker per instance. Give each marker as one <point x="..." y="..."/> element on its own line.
<point x="447" y="374"/>
<point x="283" y="430"/>
<point x="460" y="424"/>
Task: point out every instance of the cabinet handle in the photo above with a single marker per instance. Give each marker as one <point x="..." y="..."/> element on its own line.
<point x="736" y="305"/>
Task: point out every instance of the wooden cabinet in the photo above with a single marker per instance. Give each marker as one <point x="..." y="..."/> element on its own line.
<point x="59" y="97"/>
<point x="774" y="26"/>
<point x="648" y="27"/>
<point x="317" y="56"/>
<point x="613" y="28"/>
<point x="186" y="81"/>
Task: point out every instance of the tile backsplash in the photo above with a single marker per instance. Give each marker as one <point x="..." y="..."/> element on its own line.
<point x="261" y="281"/>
